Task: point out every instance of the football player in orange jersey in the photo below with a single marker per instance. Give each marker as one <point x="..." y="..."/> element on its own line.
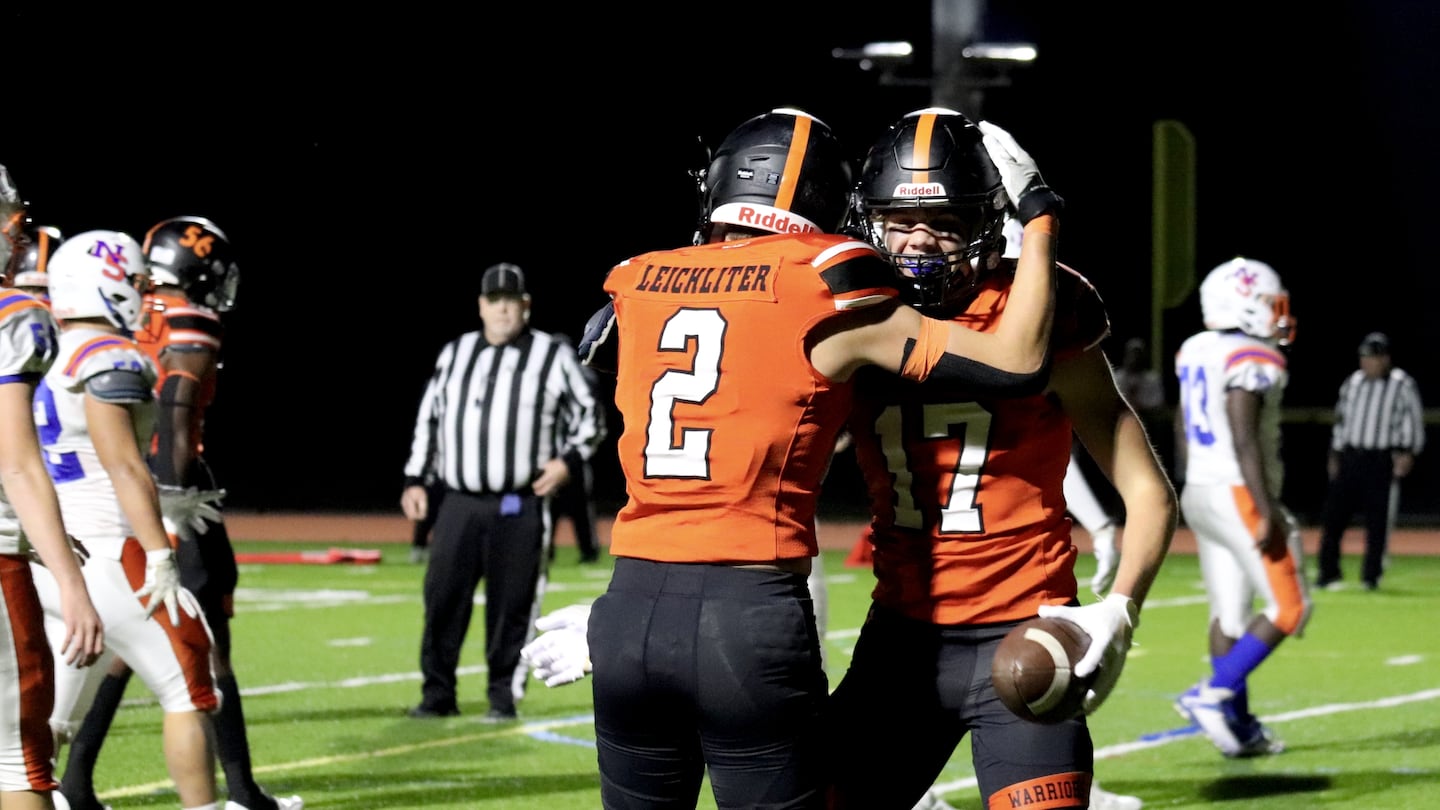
<point x="195" y="275"/>
<point x="31" y="524"/>
<point x="968" y="517"/>
<point x="734" y="368"/>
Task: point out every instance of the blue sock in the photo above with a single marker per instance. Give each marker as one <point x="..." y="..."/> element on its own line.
<point x="1232" y="667"/>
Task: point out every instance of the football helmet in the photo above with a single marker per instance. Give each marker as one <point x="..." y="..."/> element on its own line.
<point x="783" y="171"/>
<point x="34" y="258"/>
<point x="1247" y="295"/>
<point x="98" y="274"/>
<point x="193" y="254"/>
<point x="933" y="160"/>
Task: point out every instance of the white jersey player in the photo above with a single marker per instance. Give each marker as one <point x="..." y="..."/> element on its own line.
<point x="30" y="521"/>
<point x="94" y="412"/>
<point x="1232" y="378"/>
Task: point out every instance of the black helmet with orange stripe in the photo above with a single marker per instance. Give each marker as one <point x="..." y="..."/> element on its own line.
<point x="931" y="166"/>
<point x="783" y="171"/>
<point x="32" y="266"/>
<point x="192" y="253"/>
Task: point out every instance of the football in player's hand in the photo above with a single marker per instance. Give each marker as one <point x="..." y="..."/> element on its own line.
<point x="1032" y="670"/>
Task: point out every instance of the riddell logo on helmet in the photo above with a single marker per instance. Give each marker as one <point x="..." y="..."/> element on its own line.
<point x="772" y="221"/>
<point x="920" y="190"/>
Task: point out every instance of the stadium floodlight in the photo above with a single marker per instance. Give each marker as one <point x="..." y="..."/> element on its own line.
<point x="1001" y="52"/>
<point x="877" y="54"/>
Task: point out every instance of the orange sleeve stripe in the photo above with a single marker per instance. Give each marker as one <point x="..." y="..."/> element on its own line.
<point x="928" y="348"/>
<point x="1045" y="223"/>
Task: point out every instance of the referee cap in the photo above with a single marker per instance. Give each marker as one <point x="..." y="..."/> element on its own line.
<point x="1374" y="343"/>
<point x="503" y="279"/>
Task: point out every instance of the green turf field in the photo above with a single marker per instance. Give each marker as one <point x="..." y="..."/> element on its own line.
<point x="327" y="658"/>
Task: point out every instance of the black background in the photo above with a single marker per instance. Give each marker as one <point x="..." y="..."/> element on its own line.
<point x="368" y="165"/>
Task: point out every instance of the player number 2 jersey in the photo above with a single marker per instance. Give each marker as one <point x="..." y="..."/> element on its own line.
<point x="87" y="495"/>
<point x="728" y="427"/>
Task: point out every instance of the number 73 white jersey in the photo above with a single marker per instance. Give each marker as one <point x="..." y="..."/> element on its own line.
<point x="1209" y="365"/>
<point x="87" y="495"/>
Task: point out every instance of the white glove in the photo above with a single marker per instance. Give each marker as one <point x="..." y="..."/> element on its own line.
<point x="558" y="657"/>
<point x="182" y="507"/>
<point x="570" y="617"/>
<point x="1109" y="623"/>
<point x="560" y="654"/>
<point x="1018" y="172"/>
<point x="162" y="585"/>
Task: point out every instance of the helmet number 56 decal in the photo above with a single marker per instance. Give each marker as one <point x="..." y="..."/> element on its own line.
<point x="690" y="458"/>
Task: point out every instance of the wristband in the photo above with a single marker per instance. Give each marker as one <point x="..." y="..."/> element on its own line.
<point x="158" y="555"/>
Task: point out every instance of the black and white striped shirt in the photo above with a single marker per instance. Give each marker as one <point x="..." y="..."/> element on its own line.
<point x="491" y="416"/>
<point x="1379" y="413"/>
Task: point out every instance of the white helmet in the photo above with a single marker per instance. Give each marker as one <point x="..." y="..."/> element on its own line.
<point x="99" y="274"/>
<point x="1246" y="294"/>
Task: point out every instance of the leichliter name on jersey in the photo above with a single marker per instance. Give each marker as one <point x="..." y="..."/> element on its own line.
<point x="745" y="278"/>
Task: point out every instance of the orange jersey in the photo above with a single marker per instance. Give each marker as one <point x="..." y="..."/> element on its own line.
<point x="175" y="324"/>
<point x="968" y="512"/>
<point x="728" y="427"/>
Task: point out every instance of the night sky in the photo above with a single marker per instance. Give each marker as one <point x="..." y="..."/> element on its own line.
<point x="368" y="168"/>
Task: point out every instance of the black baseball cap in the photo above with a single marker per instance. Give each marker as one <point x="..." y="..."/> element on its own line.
<point x="503" y="279"/>
<point x="1374" y="343"/>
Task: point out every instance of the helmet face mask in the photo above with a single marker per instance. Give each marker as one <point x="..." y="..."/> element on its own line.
<point x="932" y="166"/>
<point x="944" y="269"/>
<point x="1247" y="295"/>
<point x="781" y="172"/>
<point x="99" y="274"/>
<point x="192" y="253"/>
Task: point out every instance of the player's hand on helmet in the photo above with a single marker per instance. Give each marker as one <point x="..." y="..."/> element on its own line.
<point x="561" y="653"/>
<point x="162" y="585"/>
<point x="190" y="508"/>
<point x="1109" y="623"/>
<point x="1021" y="177"/>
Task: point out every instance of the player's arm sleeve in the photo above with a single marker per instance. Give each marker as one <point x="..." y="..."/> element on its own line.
<point x="173" y="450"/>
<point x="926" y="358"/>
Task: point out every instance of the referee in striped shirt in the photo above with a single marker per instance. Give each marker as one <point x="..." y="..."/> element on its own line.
<point x="1379" y="430"/>
<point x="506" y="420"/>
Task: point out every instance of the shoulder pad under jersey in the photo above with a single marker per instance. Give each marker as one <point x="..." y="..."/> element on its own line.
<point x="119" y="386"/>
<point x="29" y="336"/>
<point x="108" y="353"/>
<point x="192" y="328"/>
